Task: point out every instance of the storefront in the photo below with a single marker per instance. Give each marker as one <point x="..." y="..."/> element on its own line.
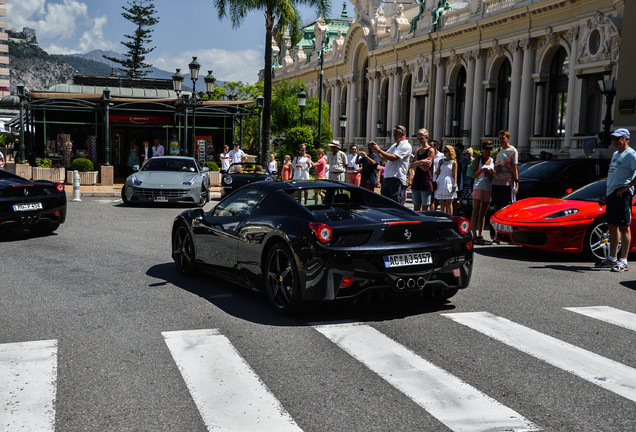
<point x="70" y="121"/>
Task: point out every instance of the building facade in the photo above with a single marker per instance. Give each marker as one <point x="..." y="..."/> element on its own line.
<point x="4" y="51"/>
<point x="468" y="71"/>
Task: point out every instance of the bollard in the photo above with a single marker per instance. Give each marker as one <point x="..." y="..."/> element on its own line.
<point x="76" y="184"/>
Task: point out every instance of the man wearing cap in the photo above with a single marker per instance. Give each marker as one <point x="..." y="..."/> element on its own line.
<point x="398" y="159"/>
<point x="621" y="179"/>
<point x="337" y="161"/>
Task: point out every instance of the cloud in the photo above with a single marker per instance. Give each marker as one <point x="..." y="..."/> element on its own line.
<point x="50" y="20"/>
<point x="235" y="65"/>
<point x="94" y="38"/>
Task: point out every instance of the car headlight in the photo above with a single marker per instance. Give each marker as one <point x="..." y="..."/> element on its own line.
<point x="563" y="213"/>
<point x="227" y="180"/>
<point x="191" y="181"/>
<point x="136" y="181"/>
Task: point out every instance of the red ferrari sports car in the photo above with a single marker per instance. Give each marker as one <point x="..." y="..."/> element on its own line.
<point x="574" y="223"/>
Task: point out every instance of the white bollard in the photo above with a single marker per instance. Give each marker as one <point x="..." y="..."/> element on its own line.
<point x="76" y="184"/>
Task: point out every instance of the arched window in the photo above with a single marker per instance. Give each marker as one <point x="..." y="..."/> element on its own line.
<point x="558" y="94"/>
<point x="460" y="103"/>
<point x="503" y="96"/>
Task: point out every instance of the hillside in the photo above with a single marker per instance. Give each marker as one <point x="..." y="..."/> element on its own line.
<point x="35" y="68"/>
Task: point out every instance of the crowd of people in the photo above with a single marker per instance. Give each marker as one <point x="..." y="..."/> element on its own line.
<point x="436" y="176"/>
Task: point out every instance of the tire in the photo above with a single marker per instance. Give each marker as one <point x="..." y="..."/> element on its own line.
<point x="205" y="197"/>
<point x="183" y="249"/>
<point x="123" y="195"/>
<point x="281" y="280"/>
<point x="596" y="244"/>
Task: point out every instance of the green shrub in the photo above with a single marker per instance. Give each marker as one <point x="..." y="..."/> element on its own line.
<point x="43" y="163"/>
<point x="82" y="164"/>
<point x="213" y="166"/>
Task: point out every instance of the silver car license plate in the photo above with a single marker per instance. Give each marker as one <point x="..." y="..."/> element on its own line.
<point x="407" y="259"/>
<point x="161" y="199"/>
<point x="27" y="206"/>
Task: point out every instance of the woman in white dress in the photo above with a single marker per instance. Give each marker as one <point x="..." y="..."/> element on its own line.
<point x="272" y="166"/>
<point x="301" y="164"/>
<point x="446" y="181"/>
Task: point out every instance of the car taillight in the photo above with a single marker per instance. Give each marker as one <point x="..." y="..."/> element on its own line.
<point x="403" y="222"/>
<point x="59" y="186"/>
<point x="322" y="231"/>
<point x="462" y="223"/>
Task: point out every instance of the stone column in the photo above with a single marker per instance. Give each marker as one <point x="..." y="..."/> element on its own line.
<point x="375" y="110"/>
<point x="395" y="106"/>
<point x="348" y="110"/>
<point x="335" y="108"/>
<point x="490" y="108"/>
<point x="573" y="34"/>
<point x="538" y="109"/>
<point x="448" y="118"/>
<point x="438" y="110"/>
<point x="369" y="113"/>
<point x="525" y="108"/>
<point x="470" y="88"/>
<point x="389" y="102"/>
<point x="352" y="115"/>
<point x="477" y="120"/>
<point x="515" y="92"/>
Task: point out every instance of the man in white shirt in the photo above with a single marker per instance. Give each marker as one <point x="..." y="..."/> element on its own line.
<point x="237" y="154"/>
<point x="157" y="149"/>
<point x="398" y="159"/>
<point x="226" y="159"/>
<point x="353" y="168"/>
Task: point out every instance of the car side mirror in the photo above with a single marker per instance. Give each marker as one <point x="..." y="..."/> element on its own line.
<point x="135" y="167"/>
<point x="205" y="169"/>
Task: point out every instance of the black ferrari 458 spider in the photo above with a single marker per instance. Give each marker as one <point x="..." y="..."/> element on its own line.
<point x="313" y="241"/>
<point x="37" y="205"/>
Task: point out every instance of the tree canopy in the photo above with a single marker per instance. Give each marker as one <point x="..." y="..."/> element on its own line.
<point x="141" y="13"/>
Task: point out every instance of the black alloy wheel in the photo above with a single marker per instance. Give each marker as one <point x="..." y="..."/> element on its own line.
<point x="281" y="280"/>
<point x="183" y="249"/>
<point x="205" y="197"/>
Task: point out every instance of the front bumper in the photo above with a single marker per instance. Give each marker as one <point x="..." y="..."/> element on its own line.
<point x="162" y="195"/>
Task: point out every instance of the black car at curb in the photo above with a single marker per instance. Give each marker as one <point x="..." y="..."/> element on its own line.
<point x="36" y="205"/>
<point x="242" y="173"/>
<point x="315" y="241"/>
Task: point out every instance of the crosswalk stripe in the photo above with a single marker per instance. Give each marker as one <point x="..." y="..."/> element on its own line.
<point x="28" y="380"/>
<point x="453" y="402"/>
<point x="606" y="373"/>
<point x="227" y="392"/>
<point x="608" y="314"/>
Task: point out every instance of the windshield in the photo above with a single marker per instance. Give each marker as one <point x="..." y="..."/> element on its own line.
<point x="591" y="192"/>
<point x="543" y="170"/>
<point x="170" y="164"/>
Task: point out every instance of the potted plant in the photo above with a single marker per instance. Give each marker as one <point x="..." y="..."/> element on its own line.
<point x="44" y="170"/>
<point x="214" y="173"/>
<point x="85" y="168"/>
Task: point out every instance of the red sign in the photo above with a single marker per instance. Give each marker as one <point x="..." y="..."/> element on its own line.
<point x="140" y="119"/>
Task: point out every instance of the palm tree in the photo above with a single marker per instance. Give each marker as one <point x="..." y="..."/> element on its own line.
<point x="286" y="12"/>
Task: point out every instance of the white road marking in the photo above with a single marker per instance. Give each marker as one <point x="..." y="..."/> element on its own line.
<point x="609" y="315"/>
<point x="28" y="380"/>
<point x="606" y="373"/>
<point x="453" y="402"/>
<point x="227" y="392"/>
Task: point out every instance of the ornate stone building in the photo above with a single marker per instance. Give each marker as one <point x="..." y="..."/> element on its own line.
<point x="529" y="66"/>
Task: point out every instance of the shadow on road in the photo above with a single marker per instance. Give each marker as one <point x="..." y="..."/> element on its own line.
<point x="520" y="253"/>
<point x="252" y="306"/>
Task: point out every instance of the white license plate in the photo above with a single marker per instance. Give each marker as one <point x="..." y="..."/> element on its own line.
<point x="407" y="259"/>
<point x="502" y="227"/>
<point x="161" y="199"/>
<point x="27" y="206"/>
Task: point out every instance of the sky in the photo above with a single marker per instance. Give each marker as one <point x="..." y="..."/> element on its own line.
<point x="186" y="28"/>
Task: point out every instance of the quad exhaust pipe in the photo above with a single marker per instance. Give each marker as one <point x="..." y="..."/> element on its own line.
<point x="410" y="283"/>
<point x="28" y="220"/>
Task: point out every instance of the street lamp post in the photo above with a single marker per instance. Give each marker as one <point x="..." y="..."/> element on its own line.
<point x="194" y="75"/>
<point x="608" y="89"/>
<point x="343" y="125"/>
<point x="22" y="96"/>
<point x="106" y="102"/>
<point x="260" y="102"/>
<point x="302" y="100"/>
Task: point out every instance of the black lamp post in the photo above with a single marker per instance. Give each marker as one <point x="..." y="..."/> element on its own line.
<point x="194" y="75"/>
<point x="209" y="84"/>
<point x="608" y="89"/>
<point x="260" y="103"/>
<point x="302" y="100"/>
<point x="177" y="82"/>
<point x="106" y="102"/>
<point x="343" y="125"/>
<point x="22" y="96"/>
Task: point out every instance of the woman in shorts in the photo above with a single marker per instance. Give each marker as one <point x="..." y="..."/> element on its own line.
<point x="483" y="170"/>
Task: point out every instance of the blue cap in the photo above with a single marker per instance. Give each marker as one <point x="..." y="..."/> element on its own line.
<point x="621" y="132"/>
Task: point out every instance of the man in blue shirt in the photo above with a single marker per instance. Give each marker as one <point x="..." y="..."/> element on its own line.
<point x="621" y="179"/>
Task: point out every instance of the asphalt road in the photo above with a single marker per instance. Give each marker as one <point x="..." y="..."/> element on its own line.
<point x="105" y="296"/>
